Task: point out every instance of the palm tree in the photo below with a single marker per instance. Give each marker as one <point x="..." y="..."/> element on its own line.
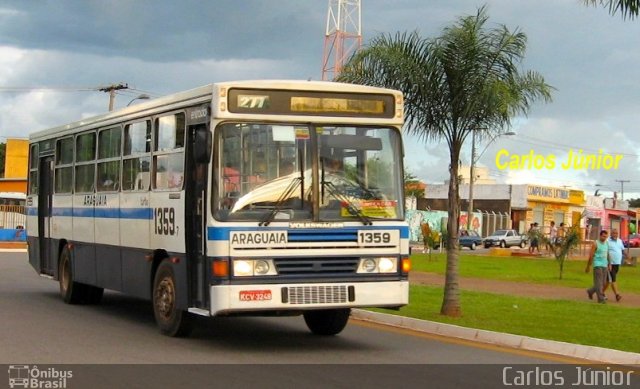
<point x="465" y="80"/>
<point x="628" y="8"/>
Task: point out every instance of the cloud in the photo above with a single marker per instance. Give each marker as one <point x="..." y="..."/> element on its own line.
<point x="23" y="112"/>
<point x="166" y="31"/>
<point x="163" y="46"/>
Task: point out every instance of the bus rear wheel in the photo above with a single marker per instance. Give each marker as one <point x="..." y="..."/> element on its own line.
<point x="327" y="321"/>
<point x="171" y="320"/>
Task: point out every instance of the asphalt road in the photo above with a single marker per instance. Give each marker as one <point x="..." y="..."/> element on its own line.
<point x="38" y="328"/>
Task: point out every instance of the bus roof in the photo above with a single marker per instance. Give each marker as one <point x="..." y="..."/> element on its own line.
<point x="200" y="95"/>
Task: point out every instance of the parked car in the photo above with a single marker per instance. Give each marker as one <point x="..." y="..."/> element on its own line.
<point x="470" y="239"/>
<point x="633" y="241"/>
<point x="505" y="238"/>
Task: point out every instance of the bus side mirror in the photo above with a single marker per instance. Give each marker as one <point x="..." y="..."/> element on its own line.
<point x="203" y="144"/>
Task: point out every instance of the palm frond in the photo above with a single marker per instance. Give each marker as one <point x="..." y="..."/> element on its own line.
<point x="627" y="8"/>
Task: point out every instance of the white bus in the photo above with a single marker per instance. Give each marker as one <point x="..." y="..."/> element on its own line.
<point x="236" y="198"/>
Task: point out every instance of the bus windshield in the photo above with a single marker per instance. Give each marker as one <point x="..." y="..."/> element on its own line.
<point x="265" y="173"/>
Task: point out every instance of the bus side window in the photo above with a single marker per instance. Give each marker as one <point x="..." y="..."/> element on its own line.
<point x="169" y="147"/>
<point x="142" y="181"/>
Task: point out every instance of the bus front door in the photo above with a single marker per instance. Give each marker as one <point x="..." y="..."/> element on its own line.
<point x="195" y="214"/>
<point x="45" y="201"/>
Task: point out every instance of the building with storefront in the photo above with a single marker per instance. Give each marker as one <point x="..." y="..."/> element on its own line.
<point x="594" y="216"/>
<point x="561" y="205"/>
<point x="525" y="204"/>
<point x="616" y="215"/>
<point x="15" y="166"/>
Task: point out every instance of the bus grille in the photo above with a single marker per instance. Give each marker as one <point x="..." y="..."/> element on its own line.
<point x="318" y="294"/>
<point x="309" y="266"/>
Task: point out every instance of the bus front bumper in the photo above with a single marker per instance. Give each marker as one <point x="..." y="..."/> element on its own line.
<point x="228" y="299"/>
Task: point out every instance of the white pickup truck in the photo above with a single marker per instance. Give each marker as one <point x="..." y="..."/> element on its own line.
<point x="505" y="238"/>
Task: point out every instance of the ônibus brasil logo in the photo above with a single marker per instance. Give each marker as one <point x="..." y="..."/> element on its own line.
<point x="25" y="376"/>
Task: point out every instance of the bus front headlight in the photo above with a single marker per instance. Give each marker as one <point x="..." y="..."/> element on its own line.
<point x="261" y="268"/>
<point x="369" y="265"/>
<point x="378" y="265"/>
<point x="387" y="264"/>
<point x="254" y="267"/>
<point x="242" y="268"/>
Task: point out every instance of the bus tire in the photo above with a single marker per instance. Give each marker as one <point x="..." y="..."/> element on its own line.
<point x="170" y="320"/>
<point x="72" y="292"/>
<point x="93" y="294"/>
<point x="327" y="321"/>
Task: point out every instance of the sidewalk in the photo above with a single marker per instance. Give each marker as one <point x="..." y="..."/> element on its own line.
<point x="521" y="289"/>
<point x="13" y="246"/>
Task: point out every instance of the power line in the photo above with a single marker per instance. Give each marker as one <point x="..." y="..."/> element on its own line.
<point x="68" y="89"/>
<point x="47" y="88"/>
<point x="562" y="146"/>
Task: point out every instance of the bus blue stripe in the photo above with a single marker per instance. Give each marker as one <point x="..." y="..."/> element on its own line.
<point x="315" y="234"/>
<point x="136" y="213"/>
<point x="107" y="213"/>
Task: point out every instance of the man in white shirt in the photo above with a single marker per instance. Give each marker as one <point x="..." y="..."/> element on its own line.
<point x="553" y="237"/>
<point x="616" y="249"/>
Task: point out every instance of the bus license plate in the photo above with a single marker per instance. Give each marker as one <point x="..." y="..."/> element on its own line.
<point x="255" y="295"/>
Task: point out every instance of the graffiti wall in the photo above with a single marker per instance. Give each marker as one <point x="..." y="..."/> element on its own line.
<point x="437" y="222"/>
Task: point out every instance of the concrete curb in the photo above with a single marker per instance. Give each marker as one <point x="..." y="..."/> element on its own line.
<point x="3" y="250"/>
<point x="590" y="353"/>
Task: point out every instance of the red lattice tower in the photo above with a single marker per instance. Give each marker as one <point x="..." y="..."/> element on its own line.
<point x="343" y="36"/>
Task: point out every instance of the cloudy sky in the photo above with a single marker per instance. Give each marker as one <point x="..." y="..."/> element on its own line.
<point x="69" y="48"/>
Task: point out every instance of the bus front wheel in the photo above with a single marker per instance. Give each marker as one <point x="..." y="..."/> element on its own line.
<point x="171" y="320"/>
<point x="327" y="321"/>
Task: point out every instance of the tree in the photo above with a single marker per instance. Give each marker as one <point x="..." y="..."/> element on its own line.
<point x="628" y="8"/>
<point x="467" y="79"/>
<point x="571" y="238"/>
<point x="430" y="238"/>
<point x="634" y="203"/>
<point x="412" y="186"/>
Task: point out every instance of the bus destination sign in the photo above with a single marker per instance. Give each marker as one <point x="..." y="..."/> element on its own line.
<point x="285" y="102"/>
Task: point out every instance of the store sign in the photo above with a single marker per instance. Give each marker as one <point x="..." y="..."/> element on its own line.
<point x="576" y="197"/>
<point x="548" y="193"/>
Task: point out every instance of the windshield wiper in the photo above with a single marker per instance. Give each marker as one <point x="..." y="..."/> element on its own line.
<point x="293" y="185"/>
<point x="351" y="207"/>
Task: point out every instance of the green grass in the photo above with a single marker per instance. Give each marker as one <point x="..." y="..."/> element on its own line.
<point x="585" y="323"/>
<point x="533" y="270"/>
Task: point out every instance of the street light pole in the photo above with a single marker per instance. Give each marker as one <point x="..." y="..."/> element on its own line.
<point x="471" y="179"/>
<point x="472" y="169"/>
<point x="143" y="96"/>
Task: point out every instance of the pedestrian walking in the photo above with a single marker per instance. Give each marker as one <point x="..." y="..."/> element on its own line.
<point x="599" y="258"/>
<point x="534" y="233"/>
<point x="532" y="238"/>
<point x="553" y="237"/>
<point x="616" y="253"/>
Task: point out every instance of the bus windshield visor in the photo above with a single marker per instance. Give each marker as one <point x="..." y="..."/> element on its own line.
<point x="265" y="173"/>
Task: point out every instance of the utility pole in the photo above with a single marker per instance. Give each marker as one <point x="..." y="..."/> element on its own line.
<point x="622" y="188"/>
<point x="112" y="92"/>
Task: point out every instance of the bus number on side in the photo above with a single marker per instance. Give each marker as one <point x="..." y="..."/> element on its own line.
<point x="165" y="221"/>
